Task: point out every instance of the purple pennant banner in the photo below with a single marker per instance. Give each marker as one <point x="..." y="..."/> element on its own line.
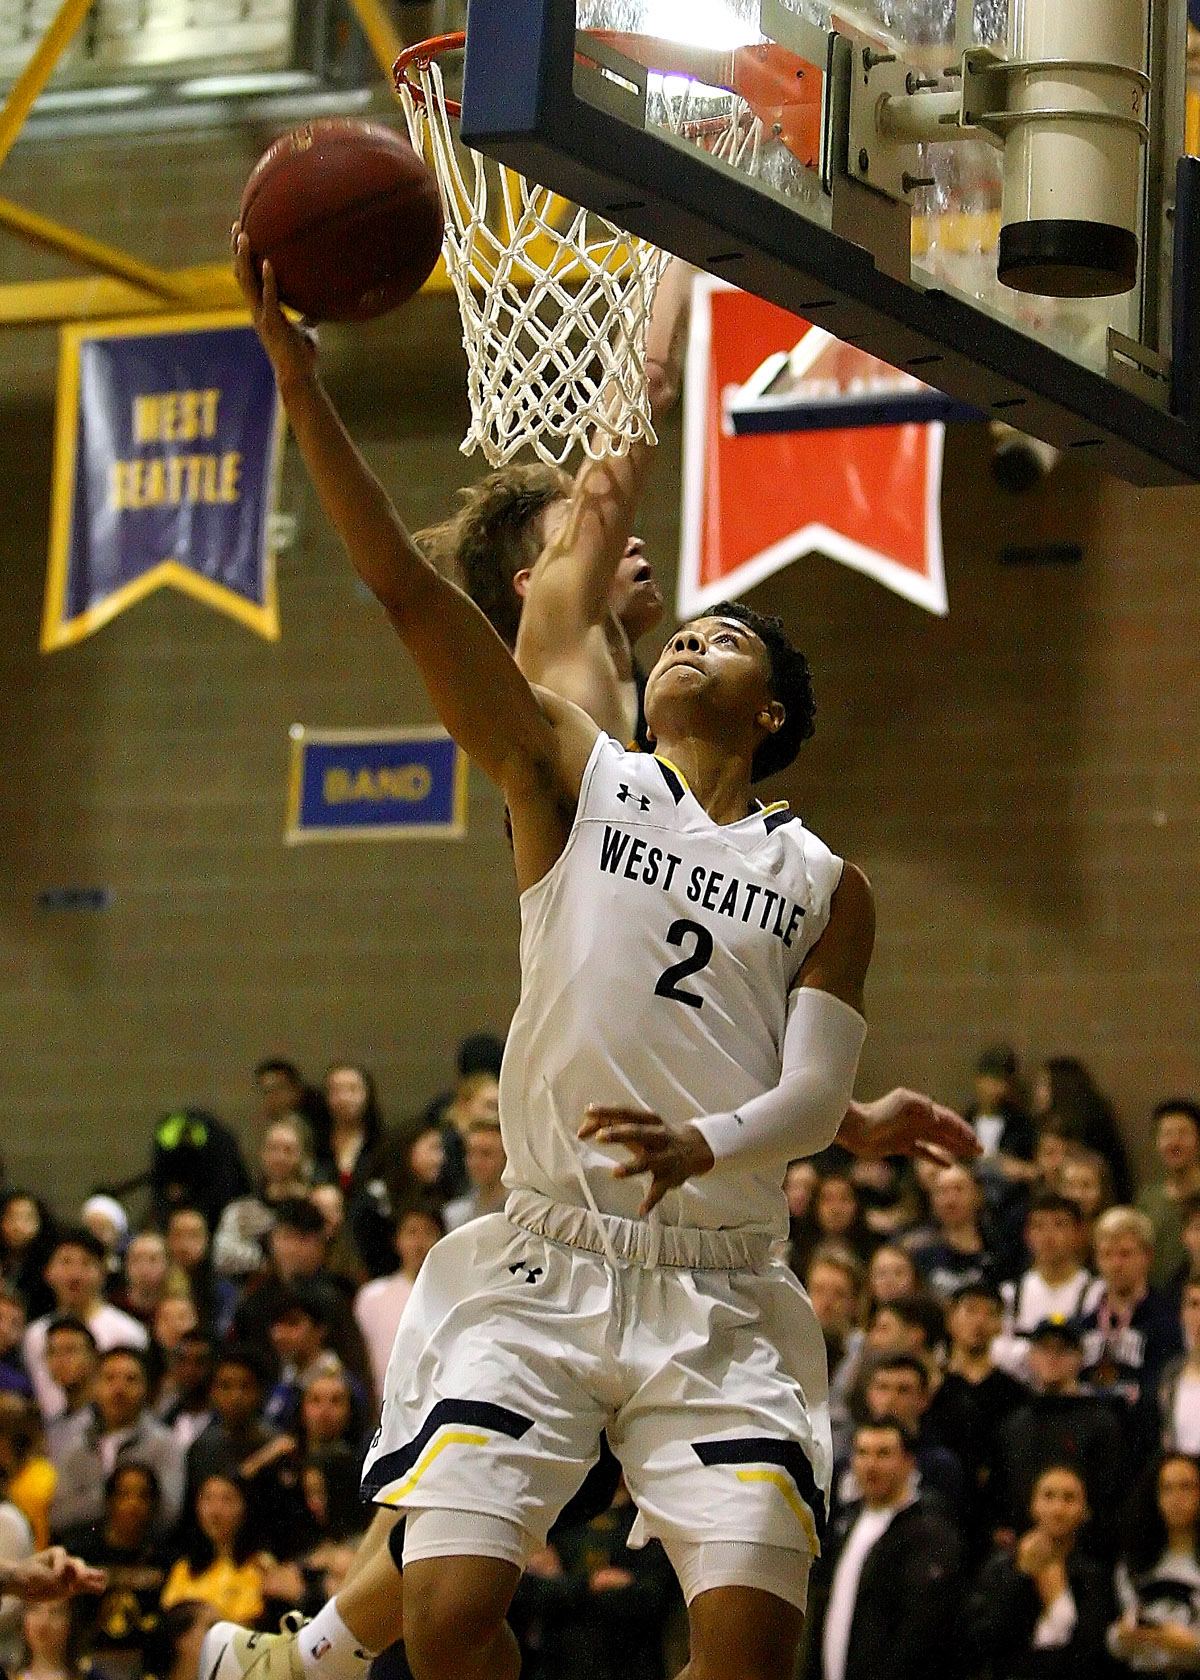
<point x="167" y="445"/>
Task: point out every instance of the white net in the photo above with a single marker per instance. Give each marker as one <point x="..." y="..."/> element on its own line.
<point x="555" y="301"/>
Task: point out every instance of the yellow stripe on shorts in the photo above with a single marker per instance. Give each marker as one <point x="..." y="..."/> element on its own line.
<point x="451" y="1438"/>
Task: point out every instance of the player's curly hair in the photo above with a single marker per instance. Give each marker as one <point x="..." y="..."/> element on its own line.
<point x="791" y="685"/>
<point x="494" y="535"/>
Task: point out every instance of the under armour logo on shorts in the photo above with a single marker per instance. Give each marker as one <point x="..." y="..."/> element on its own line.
<point x="641" y="800"/>
<point x="532" y="1273"/>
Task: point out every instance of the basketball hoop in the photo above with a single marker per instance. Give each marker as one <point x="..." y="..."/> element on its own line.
<point x="555" y="300"/>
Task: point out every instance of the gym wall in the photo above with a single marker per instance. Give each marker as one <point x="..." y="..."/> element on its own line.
<point x="1020" y="781"/>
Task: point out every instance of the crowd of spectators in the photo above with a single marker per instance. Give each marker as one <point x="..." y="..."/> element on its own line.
<point x="190" y="1374"/>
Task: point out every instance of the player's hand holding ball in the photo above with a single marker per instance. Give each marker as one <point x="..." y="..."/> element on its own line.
<point x="668" y="1151"/>
<point x="292" y="349"/>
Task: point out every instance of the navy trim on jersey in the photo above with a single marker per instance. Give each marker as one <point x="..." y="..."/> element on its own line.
<point x="672" y="780"/>
<point x="776" y="819"/>
<point x="767" y="1449"/>
<point x="483" y="1414"/>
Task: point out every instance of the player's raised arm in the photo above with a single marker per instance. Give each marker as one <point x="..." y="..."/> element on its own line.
<point x="568" y="591"/>
<point x="480" y="695"/>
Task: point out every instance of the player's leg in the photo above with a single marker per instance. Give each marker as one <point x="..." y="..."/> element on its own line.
<point x="742" y="1633"/>
<point x="455" y="1627"/>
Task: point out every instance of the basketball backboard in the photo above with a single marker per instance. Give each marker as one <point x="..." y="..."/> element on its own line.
<point x="795" y="148"/>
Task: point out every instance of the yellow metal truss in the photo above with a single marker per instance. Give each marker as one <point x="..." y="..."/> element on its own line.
<point x="116" y="282"/>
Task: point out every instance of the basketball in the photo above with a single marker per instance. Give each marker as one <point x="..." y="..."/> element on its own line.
<point x="347" y="215"/>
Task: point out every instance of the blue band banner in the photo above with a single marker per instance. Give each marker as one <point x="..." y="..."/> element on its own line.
<point x="376" y="784"/>
<point x="167" y="445"/>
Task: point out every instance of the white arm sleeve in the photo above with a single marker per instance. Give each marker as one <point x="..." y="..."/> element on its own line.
<point x="821" y="1047"/>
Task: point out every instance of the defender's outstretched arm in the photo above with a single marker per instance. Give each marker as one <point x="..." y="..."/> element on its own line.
<point x="568" y="588"/>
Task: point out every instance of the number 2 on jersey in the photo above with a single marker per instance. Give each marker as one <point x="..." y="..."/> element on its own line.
<point x="701" y="953"/>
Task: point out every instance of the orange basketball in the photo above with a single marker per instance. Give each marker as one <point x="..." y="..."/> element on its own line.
<point x="347" y="214"/>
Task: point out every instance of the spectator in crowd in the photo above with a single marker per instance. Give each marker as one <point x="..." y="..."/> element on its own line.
<point x="1087" y="1182"/>
<point x="183" y="1403"/>
<point x="1050" y="1149"/>
<point x="972" y="1402"/>
<point x="175" y="1651"/>
<point x="145" y="1267"/>
<point x="379" y="1304"/>
<point x="592" y="1608"/>
<point x="71" y="1358"/>
<point x="16" y="1547"/>
<point x="283" y="1092"/>
<point x="297" y="1244"/>
<point x="1041" y="1611"/>
<point x="75" y="1273"/>
<point x="884" y="1188"/>
<point x="921" y="1227"/>
<point x="116" y="1628"/>
<point x="1063" y="1087"/>
<point x="175" y="1317"/>
<point x="1132" y="1332"/>
<point x="26" y="1238"/>
<point x="331" y="1414"/>
<point x="799" y="1186"/>
<point x="1056" y="1286"/>
<point x="426" y="1166"/>
<point x="834" y="1285"/>
<point x="108" y="1222"/>
<point x="46" y="1629"/>
<point x="14" y="1379"/>
<point x="28" y="1475"/>
<point x="1179" y="1389"/>
<point x="486" y="1162"/>
<point x="891" y="1275"/>
<point x="342" y="1260"/>
<point x="999" y="1118"/>
<point x="834" y="1215"/>
<point x="285" y="1173"/>
<point x="117" y="1428"/>
<point x="219" y="1563"/>
<point x="354" y="1154"/>
<point x="1189" y="1234"/>
<point x="196" y="1162"/>
<point x="958" y="1253"/>
<point x="213" y="1297"/>
<point x="898" y="1386"/>
<point x="1158" y="1577"/>
<point x="1177" y="1141"/>
<point x="893" y="1571"/>
<point x="1061" y="1423"/>
<point x="240" y="1444"/>
<point x="299" y="1335"/>
<point x="914" y="1324"/>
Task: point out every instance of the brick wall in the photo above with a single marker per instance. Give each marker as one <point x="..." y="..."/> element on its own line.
<point x="1020" y="780"/>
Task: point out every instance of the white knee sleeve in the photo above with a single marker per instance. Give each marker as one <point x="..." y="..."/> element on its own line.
<point x="740" y="1563"/>
<point x="437" y="1533"/>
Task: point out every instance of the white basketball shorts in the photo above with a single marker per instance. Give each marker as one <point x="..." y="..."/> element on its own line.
<point x="515" y="1351"/>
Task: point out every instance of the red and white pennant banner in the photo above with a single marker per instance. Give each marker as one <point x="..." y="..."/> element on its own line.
<point x="869" y="496"/>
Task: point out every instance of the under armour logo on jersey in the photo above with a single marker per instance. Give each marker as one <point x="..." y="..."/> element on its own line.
<point x="641" y="800"/>
<point x="532" y="1273"/>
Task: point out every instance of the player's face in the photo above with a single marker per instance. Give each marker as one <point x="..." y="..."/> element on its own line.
<point x="634" y="594"/>
<point x="716" y="666"/>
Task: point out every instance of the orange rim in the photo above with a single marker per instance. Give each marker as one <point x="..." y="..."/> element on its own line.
<point x="419" y="57"/>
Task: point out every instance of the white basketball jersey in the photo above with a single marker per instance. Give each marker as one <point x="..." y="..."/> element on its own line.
<point x="656" y="960"/>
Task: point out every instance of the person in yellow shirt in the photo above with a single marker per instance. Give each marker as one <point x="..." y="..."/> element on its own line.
<point x="29" y="1473"/>
<point x="219" y="1566"/>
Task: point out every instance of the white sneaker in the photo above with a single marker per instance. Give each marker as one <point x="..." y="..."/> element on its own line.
<point x="230" y="1652"/>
